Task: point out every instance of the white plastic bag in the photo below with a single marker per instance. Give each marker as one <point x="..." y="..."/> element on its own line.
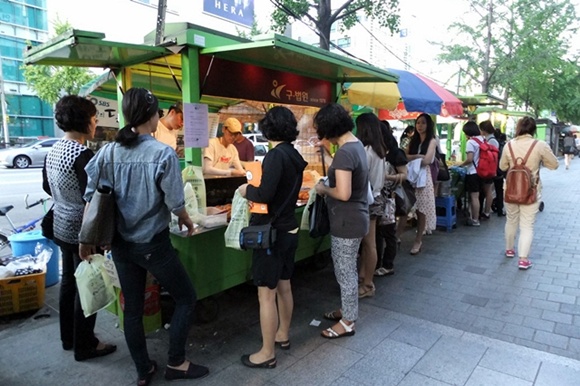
<point x="240" y="219"/>
<point x="95" y="288"/>
<point x="305" y="221"/>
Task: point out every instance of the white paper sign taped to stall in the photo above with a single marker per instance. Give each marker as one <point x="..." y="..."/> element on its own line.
<point x="195" y="125"/>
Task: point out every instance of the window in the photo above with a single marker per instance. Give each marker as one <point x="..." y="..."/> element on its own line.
<point x="344" y="42"/>
<point x="11" y="70"/>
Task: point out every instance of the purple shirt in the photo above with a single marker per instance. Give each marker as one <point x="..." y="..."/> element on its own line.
<point x="245" y="150"/>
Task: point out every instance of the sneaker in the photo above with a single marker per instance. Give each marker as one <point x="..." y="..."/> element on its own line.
<point x="382" y="271"/>
<point x="485" y="216"/>
<point x="524" y="264"/>
<point x="510" y="253"/>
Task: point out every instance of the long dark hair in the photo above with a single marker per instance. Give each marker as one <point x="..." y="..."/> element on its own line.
<point x="139" y="105"/>
<point x="388" y="137"/>
<point x="416" y="139"/>
<point x="368" y="131"/>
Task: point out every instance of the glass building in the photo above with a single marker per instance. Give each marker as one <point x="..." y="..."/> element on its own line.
<point x="23" y="22"/>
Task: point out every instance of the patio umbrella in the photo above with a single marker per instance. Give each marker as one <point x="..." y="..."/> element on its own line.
<point x="421" y="95"/>
<point x="377" y="95"/>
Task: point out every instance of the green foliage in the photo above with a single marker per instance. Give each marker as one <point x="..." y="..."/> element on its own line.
<point x="518" y="48"/>
<point x="51" y="82"/>
<point x="321" y="15"/>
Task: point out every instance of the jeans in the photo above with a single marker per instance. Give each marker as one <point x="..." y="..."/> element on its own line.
<point x="76" y="331"/>
<point x="158" y="256"/>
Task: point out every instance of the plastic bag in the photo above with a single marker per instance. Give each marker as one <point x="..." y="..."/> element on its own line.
<point x="240" y="219"/>
<point x="194" y="175"/>
<point x="305" y="222"/>
<point x="94" y="286"/>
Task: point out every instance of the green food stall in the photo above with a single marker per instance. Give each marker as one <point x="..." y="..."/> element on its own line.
<point x="198" y="65"/>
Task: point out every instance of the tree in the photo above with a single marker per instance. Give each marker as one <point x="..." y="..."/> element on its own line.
<point x="320" y="15"/>
<point x="517" y="48"/>
<point x="51" y="82"/>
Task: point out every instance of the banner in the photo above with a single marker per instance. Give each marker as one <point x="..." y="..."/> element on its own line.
<point x="237" y="11"/>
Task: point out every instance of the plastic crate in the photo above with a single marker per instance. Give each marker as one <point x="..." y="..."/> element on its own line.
<point x="446" y="212"/>
<point x="22" y="293"/>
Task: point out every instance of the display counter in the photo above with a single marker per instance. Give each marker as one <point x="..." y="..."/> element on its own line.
<point x="214" y="268"/>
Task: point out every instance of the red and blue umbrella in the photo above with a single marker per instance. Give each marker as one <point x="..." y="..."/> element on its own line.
<point x="421" y="95"/>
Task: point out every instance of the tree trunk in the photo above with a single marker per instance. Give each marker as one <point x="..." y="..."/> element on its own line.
<point x="324" y="23"/>
<point x="486" y="64"/>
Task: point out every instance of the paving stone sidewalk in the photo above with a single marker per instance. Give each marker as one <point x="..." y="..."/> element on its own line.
<point x="459" y="313"/>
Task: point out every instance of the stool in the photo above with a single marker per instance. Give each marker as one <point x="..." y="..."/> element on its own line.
<point x="446" y="212"/>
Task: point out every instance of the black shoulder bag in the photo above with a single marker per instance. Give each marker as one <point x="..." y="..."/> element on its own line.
<point x="263" y="236"/>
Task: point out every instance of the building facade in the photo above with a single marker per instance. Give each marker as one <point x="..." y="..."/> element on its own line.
<point x="23" y="22"/>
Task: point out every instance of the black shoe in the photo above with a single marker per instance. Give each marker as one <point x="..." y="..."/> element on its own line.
<point x="94" y="353"/>
<point x="269" y="364"/>
<point x="192" y="372"/>
<point x="67" y="346"/>
<point x="283" y="345"/>
<point x="145" y="381"/>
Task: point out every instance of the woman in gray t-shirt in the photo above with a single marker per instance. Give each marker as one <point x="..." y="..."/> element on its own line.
<point x="346" y="197"/>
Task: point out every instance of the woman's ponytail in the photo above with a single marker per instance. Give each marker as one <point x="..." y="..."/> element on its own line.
<point x="126" y="136"/>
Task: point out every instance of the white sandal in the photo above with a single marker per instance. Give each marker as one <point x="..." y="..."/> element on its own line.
<point x="349" y="331"/>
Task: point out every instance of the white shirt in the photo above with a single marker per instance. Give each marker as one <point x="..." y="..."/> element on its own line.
<point x="163" y="134"/>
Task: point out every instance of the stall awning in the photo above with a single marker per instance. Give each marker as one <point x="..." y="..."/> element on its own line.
<point x="88" y="49"/>
<point x="153" y="67"/>
<point x="277" y="52"/>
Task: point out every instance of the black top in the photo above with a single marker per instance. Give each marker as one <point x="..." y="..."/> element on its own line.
<point x="281" y="170"/>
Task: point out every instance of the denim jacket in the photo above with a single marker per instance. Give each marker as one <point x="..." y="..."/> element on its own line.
<point x="147" y="184"/>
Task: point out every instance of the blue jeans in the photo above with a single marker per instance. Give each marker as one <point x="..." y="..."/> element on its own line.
<point x="158" y="256"/>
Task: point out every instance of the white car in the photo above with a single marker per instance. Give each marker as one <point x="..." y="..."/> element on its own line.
<point x="260" y="150"/>
<point x="31" y="154"/>
<point x="256" y="138"/>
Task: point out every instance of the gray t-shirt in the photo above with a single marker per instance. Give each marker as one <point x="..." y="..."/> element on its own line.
<point x="350" y="219"/>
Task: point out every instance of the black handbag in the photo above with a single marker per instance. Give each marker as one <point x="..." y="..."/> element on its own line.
<point x="263" y="236"/>
<point x="47" y="224"/>
<point x="404" y="198"/>
<point x="318" y="211"/>
<point x="318" y="216"/>
<point x="98" y="226"/>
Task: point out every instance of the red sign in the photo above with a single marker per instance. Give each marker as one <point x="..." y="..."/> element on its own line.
<point x="246" y="81"/>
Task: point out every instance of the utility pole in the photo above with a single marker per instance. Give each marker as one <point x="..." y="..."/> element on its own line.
<point x="3" y="103"/>
<point x="160" y="29"/>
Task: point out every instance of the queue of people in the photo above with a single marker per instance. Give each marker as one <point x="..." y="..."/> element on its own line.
<point x="364" y="172"/>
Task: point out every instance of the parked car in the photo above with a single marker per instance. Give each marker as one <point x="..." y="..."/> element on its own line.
<point x="260" y="150"/>
<point x="256" y="138"/>
<point x="31" y="154"/>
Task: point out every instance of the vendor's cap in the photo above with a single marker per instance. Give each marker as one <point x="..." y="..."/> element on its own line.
<point x="233" y="125"/>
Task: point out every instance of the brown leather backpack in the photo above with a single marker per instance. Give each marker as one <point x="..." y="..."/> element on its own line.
<point x="521" y="187"/>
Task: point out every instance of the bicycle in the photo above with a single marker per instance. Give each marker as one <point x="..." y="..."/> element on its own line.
<point x="5" y="234"/>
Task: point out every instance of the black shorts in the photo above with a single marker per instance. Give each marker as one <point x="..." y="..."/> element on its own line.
<point x="271" y="266"/>
<point x="473" y="183"/>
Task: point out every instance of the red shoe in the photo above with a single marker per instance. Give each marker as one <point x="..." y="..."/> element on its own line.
<point x="524" y="264"/>
<point x="510" y="253"/>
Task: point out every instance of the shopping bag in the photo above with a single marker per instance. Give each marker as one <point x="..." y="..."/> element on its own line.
<point x="240" y="219"/>
<point x="94" y="286"/>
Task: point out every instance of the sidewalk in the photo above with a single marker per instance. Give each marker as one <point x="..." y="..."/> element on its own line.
<point x="459" y="313"/>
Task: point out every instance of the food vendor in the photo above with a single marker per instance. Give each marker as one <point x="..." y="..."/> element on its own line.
<point x="221" y="157"/>
<point x="169" y="126"/>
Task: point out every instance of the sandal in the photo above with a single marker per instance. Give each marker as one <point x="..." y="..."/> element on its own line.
<point x="335" y="315"/>
<point x="365" y="291"/>
<point x="147" y="380"/>
<point x="330" y="333"/>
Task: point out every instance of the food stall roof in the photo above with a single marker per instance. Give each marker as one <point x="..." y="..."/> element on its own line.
<point x="153" y="67"/>
<point x="481" y="100"/>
